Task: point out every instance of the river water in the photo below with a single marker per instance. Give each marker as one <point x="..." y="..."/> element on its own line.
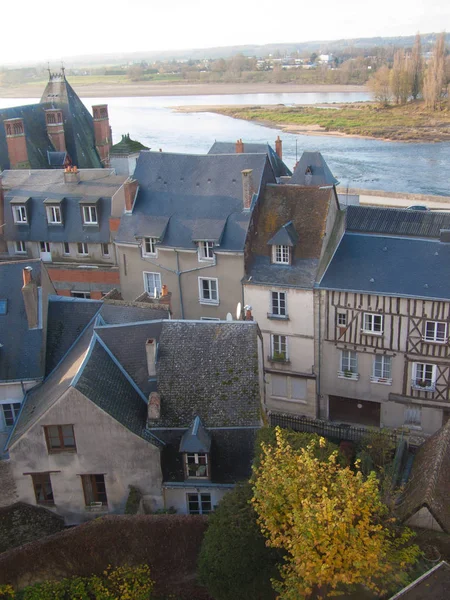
<point x="372" y="164"/>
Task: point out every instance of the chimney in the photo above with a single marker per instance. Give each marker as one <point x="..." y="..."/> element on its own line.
<point x="248" y="313"/>
<point x="30" y="298"/>
<point x="55" y="128"/>
<point x="102" y="132"/>
<point x="150" y="350"/>
<point x="71" y="174"/>
<point x="17" y="144"/>
<point x="248" y="188"/>
<point x="279" y="147"/>
<point x="239" y="147"/>
<point x="154" y="407"/>
<point x="130" y="188"/>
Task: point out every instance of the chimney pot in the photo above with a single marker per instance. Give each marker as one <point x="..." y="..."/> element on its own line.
<point x="248" y="188"/>
<point x="164" y="291"/>
<point x="279" y="147"/>
<point x="130" y="188"/>
<point x="27" y="274"/>
<point x="150" y="349"/>
<point x="239" y="147"/>
<point x="248" y="313"/>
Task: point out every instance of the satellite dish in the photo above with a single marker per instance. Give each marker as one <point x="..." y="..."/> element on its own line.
<point x="229" y="317"/>
<point x="238" y="311"/>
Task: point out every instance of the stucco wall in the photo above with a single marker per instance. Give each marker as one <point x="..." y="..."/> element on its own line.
<point x="57" y="252"/>
<point x="177" y="497"/>
<point x="228" y="269"/>
<point x="423" y="518"/>
<point x="103" y="447"/>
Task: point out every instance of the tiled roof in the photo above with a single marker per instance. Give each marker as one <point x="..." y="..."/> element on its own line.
<point x="391" y="266"/>
<point x="319" y="171"/>
<point x="429" y="482"/>
<point x="197" y="192"/>
<point x="434" y="584"/>
<point x="278" y="166"/>
<point x="397" y="221"/>
<point x="22" y="352"/>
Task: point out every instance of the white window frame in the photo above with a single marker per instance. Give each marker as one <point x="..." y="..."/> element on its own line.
<point x="348" y="365"/>
<point x="385" y="377"/>
<point x="211" y="291"/>
<point x="281" y="254"/>
<point x="410" y="411"/>
<point x="22" y="246"/>
<point x="206" y="251"/>
<point x="279" y="345"/>
<point x="151" y="292"/>
<point x="276" y="301"/>
<point x="369" y="323"/>
<point x="84" y="248"/>
<point x="199" y="495"/>
<point x="53" y="211"/>
<point x="80" y="294"/>
<point x="47" y="248"/>
<point x="196" y="462"/>
<point x="435" y="337"/>
<point x="89" y="212"/>
<point x="108" y="252"/>
<point x="20" y="214"/>
<point x="14" y="407"/>
<point x="151" y="244"/>
<point x="418" y="372"/>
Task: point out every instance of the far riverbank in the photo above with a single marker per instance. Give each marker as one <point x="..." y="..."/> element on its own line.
<point x="140" y="89"/>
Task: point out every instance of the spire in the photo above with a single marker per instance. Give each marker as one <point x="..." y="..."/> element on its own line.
<point x="49" y="72"/>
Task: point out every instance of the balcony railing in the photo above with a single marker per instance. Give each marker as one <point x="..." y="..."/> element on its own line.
<point x="382" y="380"/>
<point x="348" y="375"/>
<point x="423" y="385"/>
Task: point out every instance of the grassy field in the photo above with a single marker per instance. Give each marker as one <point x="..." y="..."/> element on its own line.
<point x="411" y="122"/>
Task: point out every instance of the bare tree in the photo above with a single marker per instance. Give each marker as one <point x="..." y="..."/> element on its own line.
<point x="416" y="68"/>
<point x="434" y="79"/>
<point x="400" y="77"/>
<point x="380" y="85"/>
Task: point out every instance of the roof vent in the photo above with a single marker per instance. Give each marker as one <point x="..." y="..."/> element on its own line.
<point x="385" y="249"/>
<point x="372" y="280"/>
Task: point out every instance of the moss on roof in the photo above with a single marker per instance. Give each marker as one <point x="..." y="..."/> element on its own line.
<point x="127" y="146"/>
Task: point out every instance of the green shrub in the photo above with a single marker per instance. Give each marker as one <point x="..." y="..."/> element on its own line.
<point x="133" y="500"/>
<point x="7" y="592"/>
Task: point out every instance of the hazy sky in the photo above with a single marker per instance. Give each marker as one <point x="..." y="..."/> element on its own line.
<point x="35" y="31"/>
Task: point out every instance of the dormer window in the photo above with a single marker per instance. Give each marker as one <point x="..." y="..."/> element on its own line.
<point x="206" y="250"/>
<point x="149" y="246"/>
<point x="281" y="255"/>
<point x="54" y="216"/>
<point x="90" y="216"/>
<point x="196" y="465"/>
<point x="20" y="214"/>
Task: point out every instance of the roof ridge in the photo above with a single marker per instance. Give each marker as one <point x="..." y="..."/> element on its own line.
<point x="443" y="442"/>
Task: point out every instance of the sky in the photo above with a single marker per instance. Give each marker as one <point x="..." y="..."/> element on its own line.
<point x="49" y="32"/>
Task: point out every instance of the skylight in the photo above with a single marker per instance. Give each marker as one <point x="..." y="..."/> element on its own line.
<point x="3" y="306"/>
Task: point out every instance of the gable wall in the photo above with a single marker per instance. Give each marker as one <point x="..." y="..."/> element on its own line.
<point x="103" y="447"/>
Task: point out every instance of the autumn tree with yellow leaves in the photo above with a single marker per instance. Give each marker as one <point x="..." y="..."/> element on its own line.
<point x="331" y="523"/>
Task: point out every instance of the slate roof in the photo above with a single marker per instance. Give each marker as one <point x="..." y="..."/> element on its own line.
<point x="285" y="236"/>
<point x="429" y="482"/>
<point x="390" y="266"/>
<point x="299" y="213"/>
<point x="434" y="584"/>
<point x="196" y="438"/>
<point x="397" y="221"/>
<point x="22" y="352"/>
<point x="191" y="195"/>
<point x="78" y="128"/>
<point x="278" y="166"/>
<point x="321" y="174"/>
<point x="96" y="185"/>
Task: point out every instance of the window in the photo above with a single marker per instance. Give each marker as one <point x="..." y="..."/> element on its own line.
<point x="105" y="249"/>
<point x="206" y="250"/>
<point x="20" y="214"/>
<point x="373" y="323"/>
<point x="59" y="438"/>
<point x="94" y="489"/>
<point x="349" y="365"/>
<point x="90" y="215"/>
<point x="66" y="248"/>
<point x="152" y="284"/>
<point x="279" y="347"/>
<point x="149" y="247"/>
<point x="85" y="295"/>
<point x="288" y="388"/>
<point x="208" y="290"/>
<point x="381" y="369"/>
<point x="435" y="332"/>
<point x="82" y="249"/>
<point x="342" y="319"/>
<point x="196" y="465"/>
<point x="20" y="247"/>
<point x="199" y="504"/>
<point x="424" y="376"/>
<point x="413" y="416"/>
<point x="43" y="488"/>
<point x="281" y="255"/>
<point x="10" y="413"/>
<point x="54" y="215"/>
<point x="44" y="247"/>
<point x="3" y="306"/>
<point x="278" y="308"/>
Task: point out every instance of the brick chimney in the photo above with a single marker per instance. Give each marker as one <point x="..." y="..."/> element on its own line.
<point x="55" y="128"/>
<point x="248" y="188"/>
<point x="279" y="147"/>
<point x="154" y="407"/>
<point x="30" y="298"/>
<point x="150" y="350"/>
<point x="102" y="132"/>
<point x="239" y="147"/>
<point x="71" y="174"/>
<point x="130" y="188"/>
<point x="17" y="144"/>
<point x="248" y="313"/>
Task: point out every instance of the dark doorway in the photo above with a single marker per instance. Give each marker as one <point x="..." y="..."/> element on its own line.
<point x="349" y="410"/>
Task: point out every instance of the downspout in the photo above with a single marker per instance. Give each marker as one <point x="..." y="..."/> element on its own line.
<point x="320" y="357"/>
<point x="179" y="284"/>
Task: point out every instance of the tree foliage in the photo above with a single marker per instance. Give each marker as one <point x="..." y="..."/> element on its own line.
<point x="329" y="521"/>
<point x="416" y="68"/>
<point x="434" y="80"/>
<point x="234" y="561"/>
<point x="380" y="85"/>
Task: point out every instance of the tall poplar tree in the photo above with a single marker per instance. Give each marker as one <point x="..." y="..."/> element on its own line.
<point x="434" y="79"/>
<point x="416" y="68"/>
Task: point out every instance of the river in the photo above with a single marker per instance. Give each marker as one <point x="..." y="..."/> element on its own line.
<point x="421" y="168"/>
